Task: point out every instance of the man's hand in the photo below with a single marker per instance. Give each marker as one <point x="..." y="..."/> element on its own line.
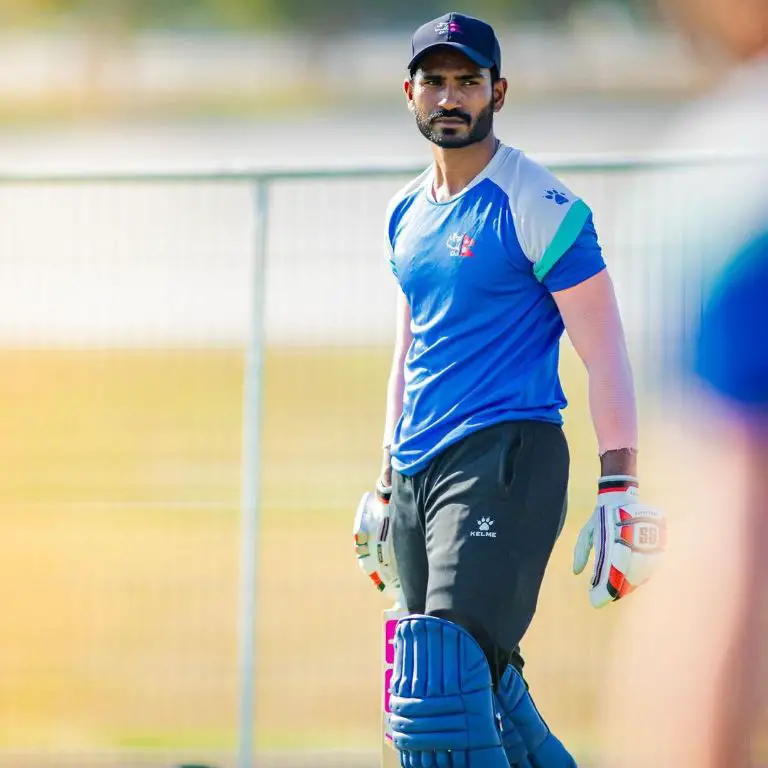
<point x="629" y="540"/>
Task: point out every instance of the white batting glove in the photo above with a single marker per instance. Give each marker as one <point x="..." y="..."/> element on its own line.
<point x="629" y="540"/>
<point x="373" y="542"/>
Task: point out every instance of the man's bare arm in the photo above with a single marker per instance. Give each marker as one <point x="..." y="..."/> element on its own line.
<point x="396" y="383"/>
<point x="591" y="316"/>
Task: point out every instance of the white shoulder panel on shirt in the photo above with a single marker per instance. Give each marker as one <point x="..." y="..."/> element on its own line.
<point x="548" y="216"/>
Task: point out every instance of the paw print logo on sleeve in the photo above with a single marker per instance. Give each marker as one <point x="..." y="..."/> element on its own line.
<point x="559" y="197"/>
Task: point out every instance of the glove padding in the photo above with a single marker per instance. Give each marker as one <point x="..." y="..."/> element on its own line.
<point x="629" y="540"/>
<point x="373" y="542"/>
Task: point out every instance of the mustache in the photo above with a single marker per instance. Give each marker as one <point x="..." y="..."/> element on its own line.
<point x="457" y="114"/>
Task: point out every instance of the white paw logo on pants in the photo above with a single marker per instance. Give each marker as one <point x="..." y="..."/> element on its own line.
<point x="484" y="528"/>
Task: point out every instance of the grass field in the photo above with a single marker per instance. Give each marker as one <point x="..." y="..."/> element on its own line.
<point x="119" y="493"/>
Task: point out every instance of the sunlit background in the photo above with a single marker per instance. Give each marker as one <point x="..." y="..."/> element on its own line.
<point x="127" y="304"/>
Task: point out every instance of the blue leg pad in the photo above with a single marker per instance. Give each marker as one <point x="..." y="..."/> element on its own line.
<point x="527" y="739"/>
<point x="441" y="700"/>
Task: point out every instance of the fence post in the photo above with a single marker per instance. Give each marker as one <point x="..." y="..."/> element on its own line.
<point x="252" y="399"/>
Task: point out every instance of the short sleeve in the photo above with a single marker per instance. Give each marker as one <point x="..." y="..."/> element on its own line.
<point x="396" y="207"/>
<point x="389" y="252"/>
<point x="548" y="216"/>
<point x="389" y="235"/>
<point x="730" y="348"/>
<point x="580" y="261"/>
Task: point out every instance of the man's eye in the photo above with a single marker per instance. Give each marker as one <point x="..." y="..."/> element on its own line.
<point x="470" y="81"/>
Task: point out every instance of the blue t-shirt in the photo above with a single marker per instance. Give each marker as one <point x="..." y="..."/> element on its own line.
<point x="478" y="272"/>
<point x="731" y="346"/>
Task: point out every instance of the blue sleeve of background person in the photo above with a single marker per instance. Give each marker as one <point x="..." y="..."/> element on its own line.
<point x="730" y="351"/>
<point x="582" y="260"/>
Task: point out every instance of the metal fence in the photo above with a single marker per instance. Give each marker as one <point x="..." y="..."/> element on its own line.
<point x="193" y="368"/>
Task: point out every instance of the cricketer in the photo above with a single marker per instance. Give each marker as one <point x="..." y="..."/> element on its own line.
<point x="495" y="258"/>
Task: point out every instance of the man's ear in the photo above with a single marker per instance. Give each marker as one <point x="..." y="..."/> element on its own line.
<point x="408" y="90"/>
<point x="499" y="93"/>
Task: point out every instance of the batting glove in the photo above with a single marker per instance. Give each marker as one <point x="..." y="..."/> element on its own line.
<point x="373" y="542"/>
<point x="629" y="540"/>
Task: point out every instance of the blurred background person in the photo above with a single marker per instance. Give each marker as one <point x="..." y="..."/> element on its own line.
<point x="689" y="664"/>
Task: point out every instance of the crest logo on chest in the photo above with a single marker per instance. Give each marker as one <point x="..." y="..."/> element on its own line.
<point x="460" y="245"/>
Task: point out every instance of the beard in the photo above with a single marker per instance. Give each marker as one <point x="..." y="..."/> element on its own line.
<point x="455" y="138"/>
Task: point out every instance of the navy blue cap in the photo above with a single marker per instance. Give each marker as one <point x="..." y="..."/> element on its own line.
<point x="474" y="38"/>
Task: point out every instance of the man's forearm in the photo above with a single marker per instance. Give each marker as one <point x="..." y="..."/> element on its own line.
<point x="386" y="467"/>
<point x="395" y="389"/>
<point x="591" y="316"/>
<point x="614" y="412"/>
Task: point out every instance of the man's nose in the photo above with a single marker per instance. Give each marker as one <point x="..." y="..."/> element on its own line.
<point x="449" y="97"/>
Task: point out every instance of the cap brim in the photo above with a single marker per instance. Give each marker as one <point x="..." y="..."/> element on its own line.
<point x="481" y="61"/>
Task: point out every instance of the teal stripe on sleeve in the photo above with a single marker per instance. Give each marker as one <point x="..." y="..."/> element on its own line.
<point x="564" y="238"/>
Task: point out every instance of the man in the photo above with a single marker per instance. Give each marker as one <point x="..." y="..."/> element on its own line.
<point x="494" y="257"/>
<point x="689" y="663"/>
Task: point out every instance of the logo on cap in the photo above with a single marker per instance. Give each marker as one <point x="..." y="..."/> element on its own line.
<point x="444" y="27"/>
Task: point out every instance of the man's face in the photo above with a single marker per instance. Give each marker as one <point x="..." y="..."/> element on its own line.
<point x="453" y="99"/>
<point x="737" y="28"/>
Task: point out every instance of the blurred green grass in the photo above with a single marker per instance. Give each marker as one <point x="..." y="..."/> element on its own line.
<point x="119" y="555"/>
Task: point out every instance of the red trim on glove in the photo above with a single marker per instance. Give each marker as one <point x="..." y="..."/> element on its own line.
<point x="376" y="579"/>
<point x="618" y="586"/>
<point x="627" y="532"/>
<point x="618" y="488"/>
<point x="616" y="484"/>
